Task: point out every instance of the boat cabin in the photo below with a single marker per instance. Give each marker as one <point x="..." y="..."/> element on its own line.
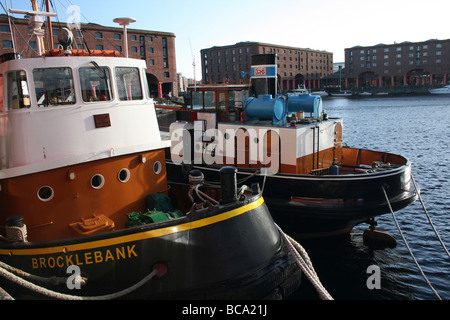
<point x="78" y="132"/>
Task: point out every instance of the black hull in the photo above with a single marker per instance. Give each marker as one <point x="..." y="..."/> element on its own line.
<point x="232" y="251"/>
<point x="314" y="206"/>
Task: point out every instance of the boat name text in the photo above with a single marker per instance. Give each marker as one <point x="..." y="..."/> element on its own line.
<point x="86" y="258"/>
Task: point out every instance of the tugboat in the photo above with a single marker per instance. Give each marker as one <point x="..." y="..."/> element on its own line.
<point x="313" y="185"/>
<point x="86" y="208"/>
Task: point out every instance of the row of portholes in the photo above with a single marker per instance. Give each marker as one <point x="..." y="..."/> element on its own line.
<point x="46" y="193"/>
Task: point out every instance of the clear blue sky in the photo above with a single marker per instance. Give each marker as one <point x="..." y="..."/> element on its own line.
<point x="316" y="24"/>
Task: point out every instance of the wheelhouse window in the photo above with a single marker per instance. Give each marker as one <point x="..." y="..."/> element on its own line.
<point x="128" y="83"/>
<point x="54" y="86"/>
<point x="95" y="84"/>
<point x="18" y="94"/>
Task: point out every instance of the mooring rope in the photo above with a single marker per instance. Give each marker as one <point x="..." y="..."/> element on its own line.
<point x="304" y="262"/>
<point x="26" y="275"/>
<point x="61" y="296"/>
<point x="428" y="216"/>
<point x="407" y="246"/>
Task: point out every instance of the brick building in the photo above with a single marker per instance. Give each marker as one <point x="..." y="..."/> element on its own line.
<point x="156" y="48"/>
<point x="400" y="64"/>
<point x="296" y="66"/>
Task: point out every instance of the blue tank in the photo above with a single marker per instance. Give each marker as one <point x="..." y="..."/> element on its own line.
<point x="266" y="108"/>
<point x="306" y="103"/>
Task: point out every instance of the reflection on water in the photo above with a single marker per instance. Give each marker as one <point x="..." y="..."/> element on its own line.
<point x="416" y="127"/>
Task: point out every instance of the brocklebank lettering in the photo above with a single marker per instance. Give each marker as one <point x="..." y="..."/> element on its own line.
<point x="86" y="258"/>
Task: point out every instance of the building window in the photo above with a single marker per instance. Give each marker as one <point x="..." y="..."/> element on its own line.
<point x="5" y="28"/>
<point x="165" y="63"/>
<point x="134" y="49"/>
<point x="99" y="47"/>
<point x="166" y="75"/>
<point x="98" y="35"/>
<point x="117" y="36"/>
<point x="150" y="50"/>
<point x="7" y="44"/>
<point x="78" y="34"/>
<point x="438" y="53"/>
<point x="164" y="41"/>
<point x="151" y="62"/>
<point x="133" y="37"/>
<point x="80" y="46"/>
<point x="150" y="39"/>
<point x="438" y="45"/>
<point x="118" y="48"/>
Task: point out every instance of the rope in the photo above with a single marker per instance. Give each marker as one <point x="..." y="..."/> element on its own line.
<point x="304" y="262"/>
<point x="51" y="280"/>
<point x="61" y="296"/>
<point x="428" y="216"/>
<point x="407" y="246"/>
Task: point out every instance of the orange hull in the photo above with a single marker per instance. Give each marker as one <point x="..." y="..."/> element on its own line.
<point x="83" y="199"/>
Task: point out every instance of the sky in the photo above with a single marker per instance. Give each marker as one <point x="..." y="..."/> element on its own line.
<point x="316" y="24"/>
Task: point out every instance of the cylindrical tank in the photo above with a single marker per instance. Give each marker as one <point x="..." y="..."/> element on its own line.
<point x="266" y="108"/>
<point x="306" y="103"/>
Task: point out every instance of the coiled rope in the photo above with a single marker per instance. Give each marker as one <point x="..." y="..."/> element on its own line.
<point x="407" y="246"/>
<point x="304" y="262"/>
<point x="61" y="296"/>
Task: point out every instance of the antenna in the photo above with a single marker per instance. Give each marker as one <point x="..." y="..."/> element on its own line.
<point x="37" y="22"/>
<point x="193" y="63"/>
<point x="125" y="22"/>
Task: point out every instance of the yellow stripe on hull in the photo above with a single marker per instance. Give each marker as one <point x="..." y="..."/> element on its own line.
<point x="138" y="236"/>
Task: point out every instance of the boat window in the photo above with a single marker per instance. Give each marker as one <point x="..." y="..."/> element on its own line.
<point x="209" y="100"/>
<point x="95" y="84"/>
<point x="54" y="86"/>
<point x="18" y="94"/>
<point x="128" y="83"/>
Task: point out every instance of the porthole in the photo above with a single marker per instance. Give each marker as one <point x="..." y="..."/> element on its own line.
<point x="45" y="193"/>
<point x="124" y="175"/>
<point x="157" y="167"/>
<point x="97" y="181"/>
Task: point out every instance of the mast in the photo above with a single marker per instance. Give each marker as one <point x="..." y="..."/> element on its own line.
<point x="36" y="21"/>
<point x="50" y="29"/>
<point x="41" y="39"/>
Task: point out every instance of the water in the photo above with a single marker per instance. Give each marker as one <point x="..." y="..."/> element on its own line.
<point x="418" y="128"/>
